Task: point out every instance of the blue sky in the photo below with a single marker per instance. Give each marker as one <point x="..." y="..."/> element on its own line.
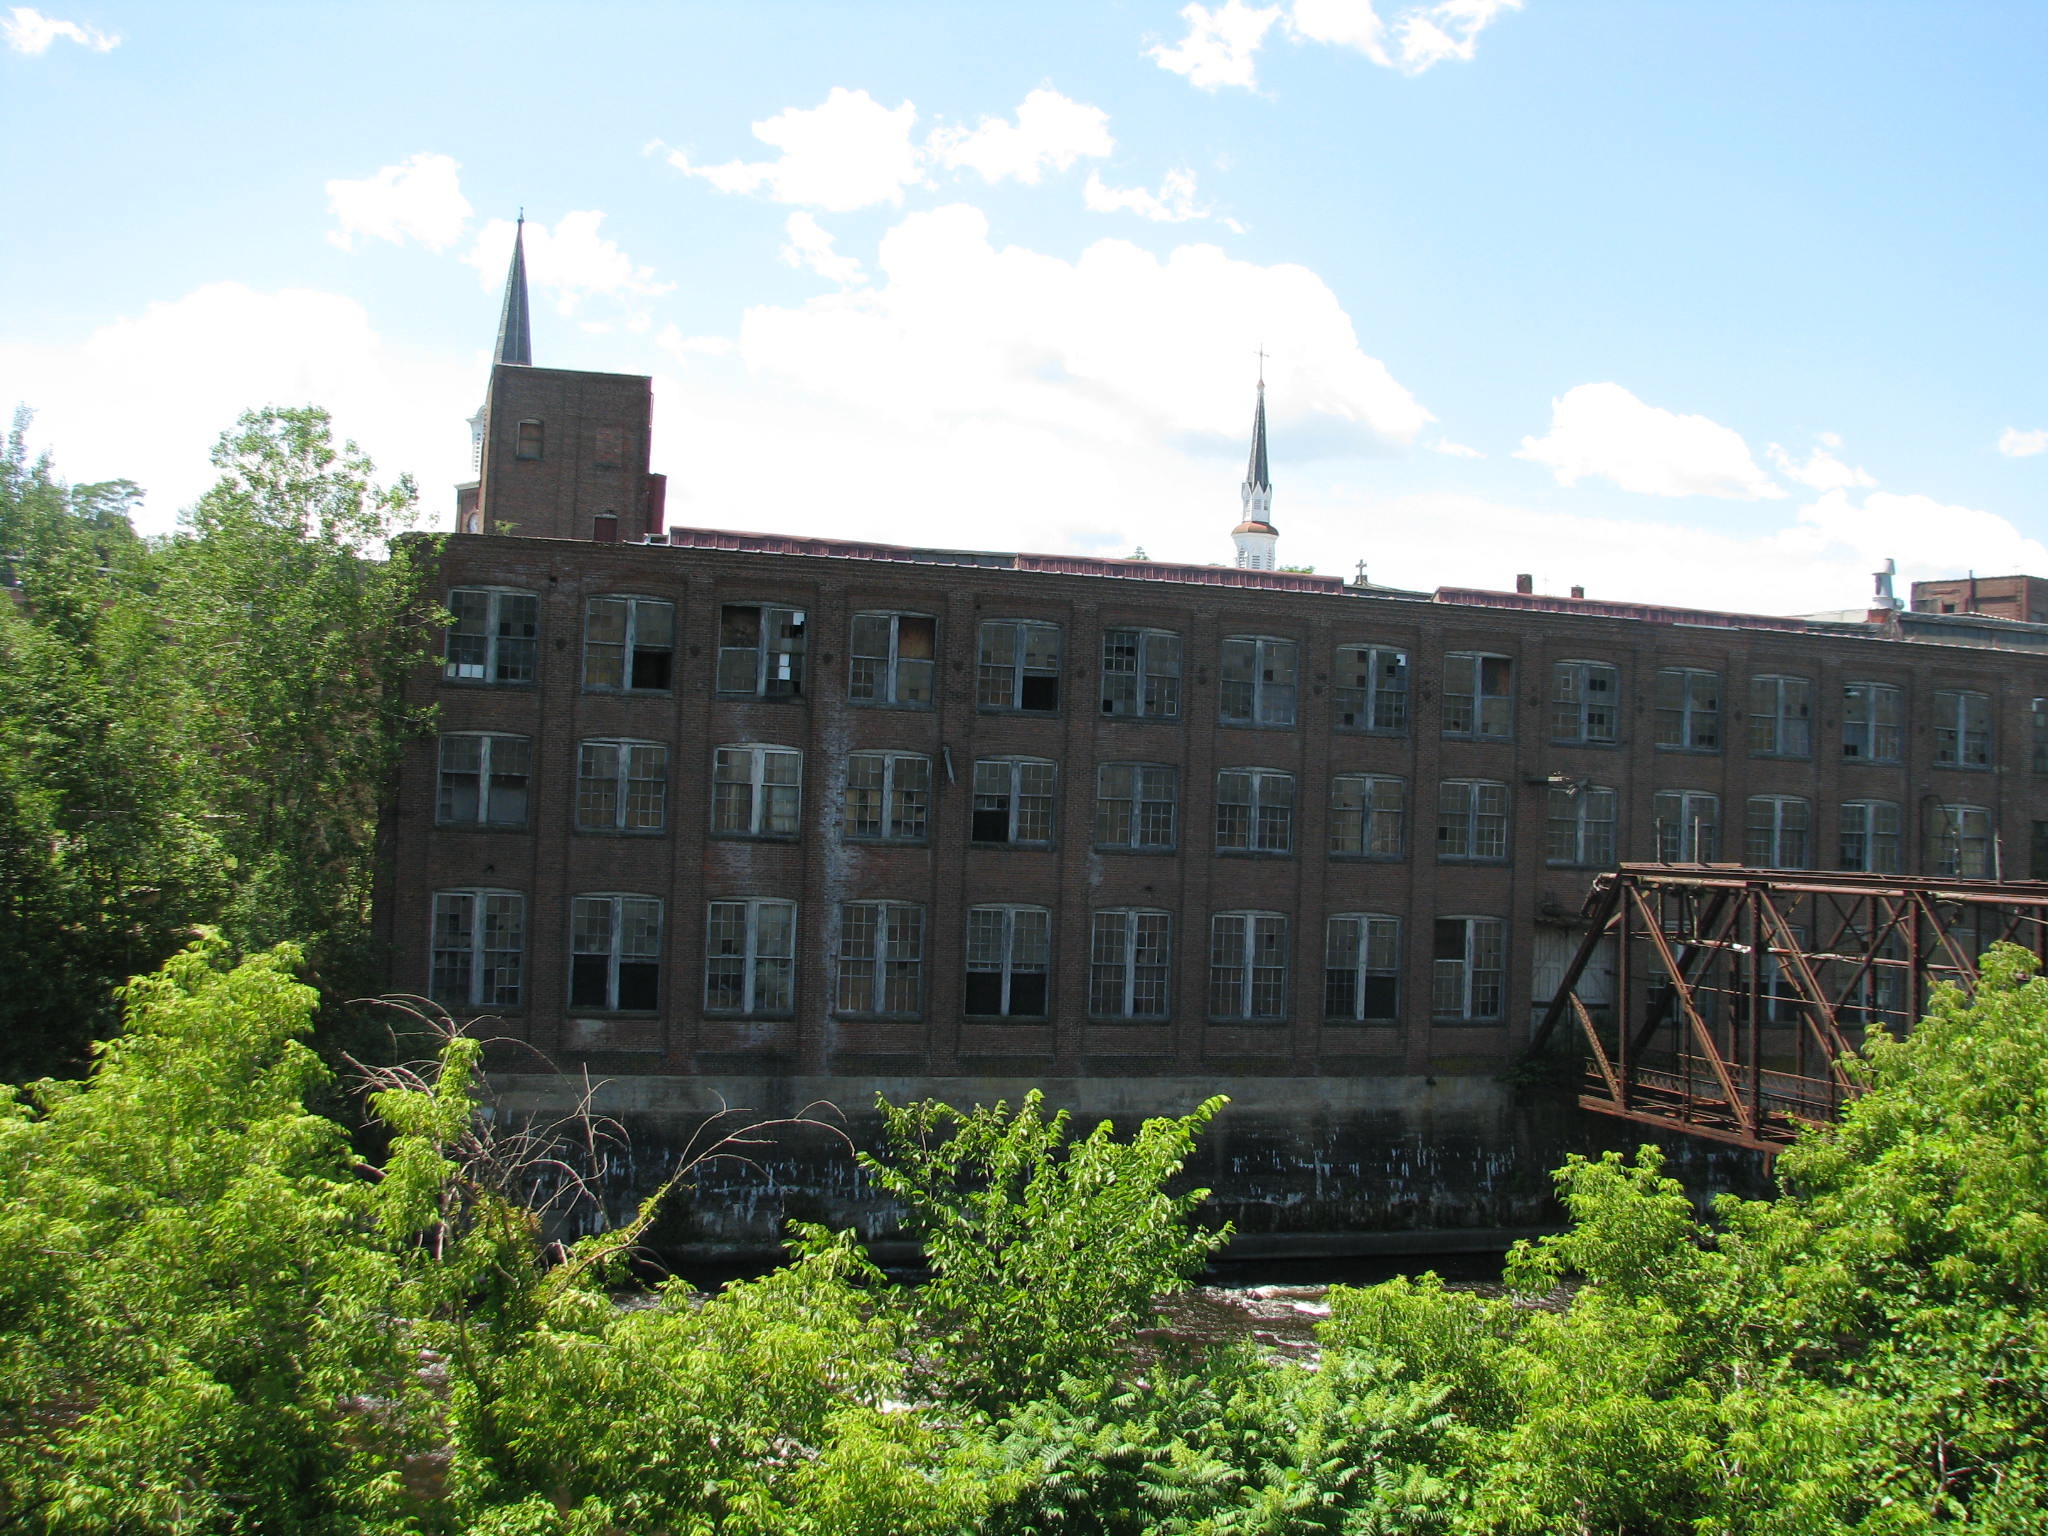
<point x="1719" y="304"/>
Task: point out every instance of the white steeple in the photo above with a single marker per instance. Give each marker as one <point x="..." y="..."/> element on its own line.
<point x="1257" y="540"/>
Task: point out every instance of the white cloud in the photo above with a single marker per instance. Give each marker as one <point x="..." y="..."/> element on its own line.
<point x="1449" y="29"/>
<point x="811" y="245"/>
<point x="106" y="409"/>
<point x="1173" y="203"/>
<point x="2015" y="444"/>
<point x="570" y="260"/>
<point x="848" y="152"/>
<point x="1050" y="130"/>
<point x="1449" y="449"/>
<point x="1927" y="537"/>
<point x="1346" y="23"/>
<point x="419" y="198"/>
<point x="1602" y="430"/>
<point x="1822" y="469"/>
<point x="1220" y="46"/>
<point x="31" y="32"/>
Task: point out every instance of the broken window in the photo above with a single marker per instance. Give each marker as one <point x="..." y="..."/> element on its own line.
<point x="1362" y="969"/>
<point x="1013" y="801"/>
<point x="1141" y="674"/>
<point x="881" y="959"/>
<point x="750" y="958"/>
<point x="1778" y="832"/>
<point x="1689" y="709"/>
<point x="1370" y="689"/>
<point x="1688" y="825"/>
<point x="1135" y="805"/>
<point x="621" y="786"/>
<point x="495" y="637"/>
<point x="628" y="644"/>
<point x="483" y="780"/>
<point x="1009" y="957"/>
<point x="1129" y="955"/>
<point x="1780" y="717"/>
<point x="1368" y="816"/>
<point x="1259" y="681"/>
<point x="479" y="948"/>
<point x="755" y="791"/>
<point x="1873" y="716"/>
<point x="1019" y="666"/>
<point x="1469" y="969"/>
<point x="1248" y="967"/>
<point x="1472" y="820"/>
<point x="1581" y="826"/>
<point x="1478" y="700"/>
<point x="615" y="953"/>
<point x="1585" y="703"/>
<point x="893" y="655"/>
<point x="1871" y="836"/>
<point x="888" y="797"/>
<point x="1254" y="811"/>
<point x="761" y="651"/>
<point x="1962" y="729"/>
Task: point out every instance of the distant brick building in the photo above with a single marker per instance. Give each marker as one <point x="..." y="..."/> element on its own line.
<point x="2024" y="598"/>
<point x="709" y="804"/>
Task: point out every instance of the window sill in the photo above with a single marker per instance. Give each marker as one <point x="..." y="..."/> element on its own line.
<point x="1253" y="853"/>
<point x="861" y="840"/>
<point x="760" y="698"/>
<point x="1034" y="1020"/>
<point x="1875" y="762"/>
<point x="737" y="1013"/>
<point x="1367" y="858"/>
<point x="1384" y="734"/>
<point x="1591" y="746"/>
<point x="1032" y="714"/>
<point x="626" y="832"/>
<point x="1142" y="852"/>
<point x="576" y="1012"/>
<point x="871" y="1018"/>
<point x="629" y="693"/>
<point x="1463" y="858"/>
<point x="1690" y="751"/>
<point x="1129" y="1020"/>
<point x="1130" y="719"/>
<point x="1013" y="847"/>
<point x="1782" y="757"/>
<point x="901" y="709"/>
<point x="1461" y="1020"/>
<point x="482" y="826"/>
<point x="1963" y="767"/>
<point x="485" y="682"/>
<point x="1255" y="725"/>
<point x="1469" y="736"/>
<point x="1386" y="1023"/>
<point x="757" y="837"/>
<point x="1228" y="1022"/>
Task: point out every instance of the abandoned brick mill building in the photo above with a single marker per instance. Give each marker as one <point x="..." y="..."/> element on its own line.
<point x="754" y="819"/>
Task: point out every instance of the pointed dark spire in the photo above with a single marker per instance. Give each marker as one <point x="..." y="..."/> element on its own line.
<point x="515" y="325"/>
<point x="1255" y="476"/>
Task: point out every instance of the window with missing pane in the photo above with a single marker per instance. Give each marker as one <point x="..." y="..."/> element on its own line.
<point x="888" y="797"/>
<point x="1873" y="722"/>
<point x="760" y="651"/>
<point x="1260" y="682"/>
<point x="1478" y="696"/>
<point x="756" y="791"/>
<point x="1688" y="824"/>
<point x="1872" y="836"/>
<point x="615" y="953"/>
<point x="1780" y="717"/>
<point x="621" y="786"/>
<point x="1472" y="820"/>
<point x="483" y="780"/>
<point x="479" y="949"/>
<point x="1136" y="806"/>
<point x="1009" y="958"/>
<point x="892" y="661"/>
<point x="1013" y="801"/>
<point x="750" y="958"/>
<point x="881" y="959"/>
<point x="1469" y="969"/>
<point x="1962" y="728"/>
<point x="1248" y="967"/>
<point x="1585" y="703"/>
<point x="1959" y="842"/>
<point x="495" y="636"/>
<point x="628" y="644"/>
<point x="1688" y="707"/>
<point x="1369" y="689"/>
<point x="1141" y="674"/>
<point x="1580" y="831"/>
<point x="1368" y="816"/>
<point x="1129" y="964"/>
<point x="1018" y="667"/>
<point x="1362" y="969"/>
<point x="1778" y="832"/>
<point x="1254" y="811"/>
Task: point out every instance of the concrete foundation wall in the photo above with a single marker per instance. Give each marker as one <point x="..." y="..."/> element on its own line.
<point x="1301" y="1165"/>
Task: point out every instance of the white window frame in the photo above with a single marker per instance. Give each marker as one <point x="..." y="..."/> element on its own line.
<point x="1130" y="964"/>
<point x="1780" y="827"/>
<point x="881" y="953"/>
<point x="1957" y="743"/>
<point x="888" y="683"/>
<point x="1005" y="778"/>
<point x="893" y="798"/>
<point x="740" y="782"/>
<point x="1369" y="702"/>
<point x="1780" y="715"/>
<point x="1149" y="687"/>
<point x="622" y="947"/>
<point x="1368" y="816"/>
<point x="766" y="971"/>
<point x="497" y="666"/>
<point x="1685" y="718"/>
<point x="1010" y="922"/>
<point x="1257" y="992"/>
<point x="630" y="806"/>
<point x="1579" y="716"/>
<point x="1462" y="993"/>
<point x="1363" y="946"/>
<point x="1001" y="683"/>
<point x="781" y="638"/>
<point x="1147" y="828"/>
<point x="1868" y="844"/>
<point x="1271" y="695"/>
<point x="1867" y="736"/>
<point x="642" y="614"/>
<point x="1679" y="836"/>
<point x="1474" y="831"/>
<point x="1583" y="826"/>
<point x="1485" y="715"/>
<point x="492" y="747"/>
<point x="488" y="980"/>
<point x="1961" y="842"/>
<point x="1267" y="814"/>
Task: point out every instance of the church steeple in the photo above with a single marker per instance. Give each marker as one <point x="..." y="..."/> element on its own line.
<point x="1256" y="538"/>
<point x="515" y="324"/>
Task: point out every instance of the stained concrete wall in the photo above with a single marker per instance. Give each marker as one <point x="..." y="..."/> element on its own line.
<point x="1301" y="1165"/>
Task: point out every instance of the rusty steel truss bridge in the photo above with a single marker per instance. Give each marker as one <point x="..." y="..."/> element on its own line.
<point x="1720" y="1001"/>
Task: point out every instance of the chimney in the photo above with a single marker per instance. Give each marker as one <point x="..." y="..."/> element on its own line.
<point x="1579" y="592"/>
<point x="1525" y="585"/>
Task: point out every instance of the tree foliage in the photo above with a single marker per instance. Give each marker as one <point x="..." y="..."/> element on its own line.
<point x="194" y="730"/>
